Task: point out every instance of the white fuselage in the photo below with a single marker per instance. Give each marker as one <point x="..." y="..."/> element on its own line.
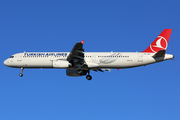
<point x="79" y="63"/>
<point x="110" y="60"/>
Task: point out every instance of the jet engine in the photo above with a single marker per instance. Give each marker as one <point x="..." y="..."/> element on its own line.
<point x="61" y="64"/>
<point x="75" y="72"/>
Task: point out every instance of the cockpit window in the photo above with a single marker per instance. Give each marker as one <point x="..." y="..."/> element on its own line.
<point x="12" y="57"/>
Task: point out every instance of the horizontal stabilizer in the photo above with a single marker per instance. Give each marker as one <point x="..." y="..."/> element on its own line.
<point x="160" y="53"/>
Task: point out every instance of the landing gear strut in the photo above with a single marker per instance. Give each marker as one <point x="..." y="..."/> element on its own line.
<point x="88" y="77"/>
<point x="21" y="74"/>
<point x="84" y="72"/>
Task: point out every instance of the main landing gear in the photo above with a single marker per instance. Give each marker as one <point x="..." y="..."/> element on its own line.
<point x="88" y="77"/>
<point x="84" y="72"/>
<point x="21" y="74"/>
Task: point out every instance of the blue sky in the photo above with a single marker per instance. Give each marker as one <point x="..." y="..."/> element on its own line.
<point x="144" y="93"/>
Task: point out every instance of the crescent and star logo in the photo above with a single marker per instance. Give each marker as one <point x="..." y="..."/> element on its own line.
<point x="159" y="44"/>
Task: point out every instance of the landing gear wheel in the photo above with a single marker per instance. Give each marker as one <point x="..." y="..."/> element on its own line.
<point x="20" y="74"/>
<point x="88" y="77"/>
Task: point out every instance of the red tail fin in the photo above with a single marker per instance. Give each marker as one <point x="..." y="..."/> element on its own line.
<point x="160" y="43"/>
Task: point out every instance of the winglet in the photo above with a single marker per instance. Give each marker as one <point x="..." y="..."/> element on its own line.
<point x="82" y="42"/>
<point x="160" y="43"/>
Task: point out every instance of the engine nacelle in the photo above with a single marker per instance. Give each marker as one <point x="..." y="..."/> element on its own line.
<point x="61" y="64"/>
<point x="75" y="72"/>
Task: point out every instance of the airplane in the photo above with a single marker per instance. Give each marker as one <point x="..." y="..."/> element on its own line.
<point x="79" y="63"/>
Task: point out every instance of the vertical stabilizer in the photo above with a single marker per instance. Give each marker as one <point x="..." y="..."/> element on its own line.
<point x="160" y="43"/>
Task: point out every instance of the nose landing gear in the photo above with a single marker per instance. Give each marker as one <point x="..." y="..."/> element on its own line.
<point x="21" y="74"/>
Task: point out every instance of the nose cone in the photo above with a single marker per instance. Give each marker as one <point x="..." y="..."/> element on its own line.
<point x="6" y="62"/>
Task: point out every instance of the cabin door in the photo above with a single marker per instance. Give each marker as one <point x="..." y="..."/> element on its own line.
<point x="140" y="57"/>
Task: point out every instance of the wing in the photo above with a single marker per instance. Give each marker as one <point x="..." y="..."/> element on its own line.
<point x="76" y="56"/>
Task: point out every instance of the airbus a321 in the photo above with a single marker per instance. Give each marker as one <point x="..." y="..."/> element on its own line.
<point x="79" y="63"/>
